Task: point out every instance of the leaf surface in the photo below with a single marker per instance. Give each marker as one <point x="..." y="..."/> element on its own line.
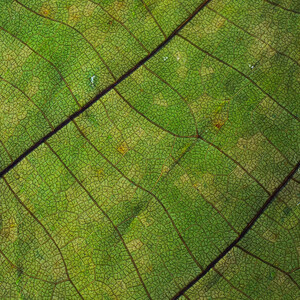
<point x="149" y="149"/>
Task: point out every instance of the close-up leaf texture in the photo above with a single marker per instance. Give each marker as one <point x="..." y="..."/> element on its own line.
<point x="149" y="149"/>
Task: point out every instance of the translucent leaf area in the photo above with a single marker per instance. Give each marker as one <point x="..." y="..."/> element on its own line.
<point x="149" y="149"/>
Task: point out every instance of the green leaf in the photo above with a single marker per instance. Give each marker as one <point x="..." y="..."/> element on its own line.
<point x="149" y="149"/>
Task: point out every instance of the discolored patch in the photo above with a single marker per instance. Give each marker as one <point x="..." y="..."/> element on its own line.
<point x="123" y="148"/>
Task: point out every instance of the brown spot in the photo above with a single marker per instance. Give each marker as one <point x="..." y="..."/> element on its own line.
<point x="45" y="11"/>
<point x="123" y="148"/>
<point x="219" y="124"/>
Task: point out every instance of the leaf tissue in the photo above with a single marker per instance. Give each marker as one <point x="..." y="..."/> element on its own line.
<point x="149" y="149"/>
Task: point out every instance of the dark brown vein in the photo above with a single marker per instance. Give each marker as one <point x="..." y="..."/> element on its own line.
<point x="243" y="233"/>
<point x="285" y="229"/>
<point x="218" y="211"/>
<point x="182" y="155"/>
<point x="251" y="224"/>
<point x="277" y="149"/>
<point x="10" y="157"/>
<point x="275" y="221"/>
<point x="253" y="35"/>
<point x="269" y="264"/>
<point x="107" y="217"/>
<point x="26" y="274"/>
<point x="154" y="19"/>
<point x="30" y="100"/>
<point x="282" y="7"/>
<point x="48" y="61"/>
<point x="149" y="120"/>
<point x="206" y="200"/>
<point x="230" y="283"/>
<point x="241" y="73"/>
<point x="235" y="162"/>
<point x="175" y="90"/>
<point x="111" y="120"/>
<point x="143" y="189"/>
<point x="294" y="270"/>
<point x="122" y="24"/>
<point x="72" y="28"/>
<point x="105" y="91"/>
<point x="48" y="234"/>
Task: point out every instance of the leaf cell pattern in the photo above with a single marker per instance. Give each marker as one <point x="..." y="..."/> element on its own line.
<point x="149" y="149"/>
